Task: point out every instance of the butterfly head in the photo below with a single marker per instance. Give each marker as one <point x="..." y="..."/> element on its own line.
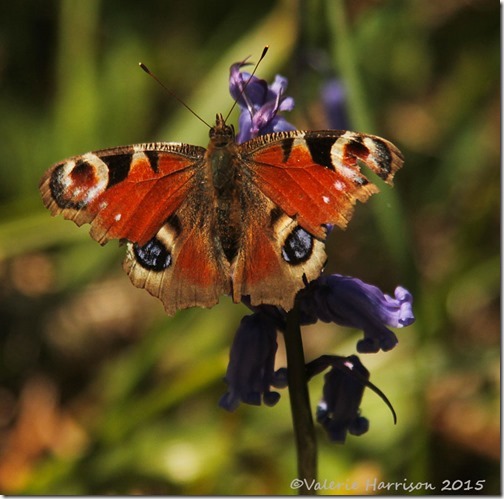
<point x="221" y="135"/>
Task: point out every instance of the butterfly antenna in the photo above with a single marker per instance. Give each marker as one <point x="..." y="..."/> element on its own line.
<point x="172" y="94"/>
<point x="242" y="92"/>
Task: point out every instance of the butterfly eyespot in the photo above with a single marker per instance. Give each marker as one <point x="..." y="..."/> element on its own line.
<point x="59" y="185"/>
<point x="298" y="246"/>
<point x="75" y="184"/>
<point x="153" y="256"/>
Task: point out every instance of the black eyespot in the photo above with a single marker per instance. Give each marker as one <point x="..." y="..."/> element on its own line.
<point x="298" y="246"/>
<point x="153" y="256"/>
<point x="64" y="198"/>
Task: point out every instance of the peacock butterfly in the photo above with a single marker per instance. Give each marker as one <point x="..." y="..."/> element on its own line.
<point x="246" y="219"/>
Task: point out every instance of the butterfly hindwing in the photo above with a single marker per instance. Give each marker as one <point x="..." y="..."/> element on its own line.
<point x="180" y="264"/>
<point x="277" y="256"/>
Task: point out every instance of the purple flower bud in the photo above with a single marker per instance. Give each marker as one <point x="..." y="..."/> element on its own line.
<point x="338" y="411"/>
<point x="250" y="372"/>
<point x="257" y="88"/>
<point x="259" y="103"/>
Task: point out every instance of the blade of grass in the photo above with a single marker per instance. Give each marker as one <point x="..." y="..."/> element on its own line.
<point x="387" y="209"/>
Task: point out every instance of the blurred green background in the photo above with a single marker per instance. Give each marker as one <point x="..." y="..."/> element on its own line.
<point x="100" y="392"/>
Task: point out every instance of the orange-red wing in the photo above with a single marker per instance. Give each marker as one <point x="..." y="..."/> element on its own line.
<point x="181" y="265"/>
<point x="124" y="192"/>
<point x="315" y="176"/>
<point x="263" y="269"/>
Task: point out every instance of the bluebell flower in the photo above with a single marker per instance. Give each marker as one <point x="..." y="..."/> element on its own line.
<point x="350" y="302"/>
<point x="339" y="410"/>
<point x="344" y="300"/>
<point x="259" y="104"/>
<point x="251" y="368"/>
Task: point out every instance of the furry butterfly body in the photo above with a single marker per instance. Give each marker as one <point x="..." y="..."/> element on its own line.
<point x="239" y="219"/>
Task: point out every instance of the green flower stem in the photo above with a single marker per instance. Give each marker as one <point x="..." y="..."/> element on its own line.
<point x="346" y="62"/>
<point x="302" y="420"/>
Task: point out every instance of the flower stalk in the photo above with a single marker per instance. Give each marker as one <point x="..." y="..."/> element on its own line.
<point x="302" y="420"/>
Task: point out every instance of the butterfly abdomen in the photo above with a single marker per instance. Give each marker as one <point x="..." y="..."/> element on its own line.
<point x="225" y="180"/>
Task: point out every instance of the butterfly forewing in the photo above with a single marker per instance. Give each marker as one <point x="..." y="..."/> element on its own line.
<point x="316" y="176"/>
<point x="181" y="264"/>
<point x="125" y="192"/>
